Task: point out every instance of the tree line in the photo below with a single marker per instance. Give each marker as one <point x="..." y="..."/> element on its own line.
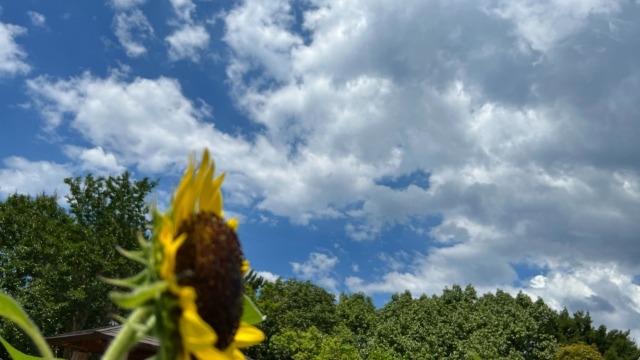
<point x="51" y="258"/>
<point x="306" y="322"/>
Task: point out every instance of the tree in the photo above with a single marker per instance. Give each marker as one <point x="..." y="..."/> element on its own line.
<point x="358" y="314"/>
<point x="51" y="258"/>
<point x="314" y="345"/>
<point x="619" y="346"/>
<point x="292" y="306"/>
<point x="458" y="324"/>
<point x="34" y="233"/>
<point x="253" y="283"/>
<point x="297" y="305"/>
<point x="578" y="351"/>
<point x="109" y="212"/>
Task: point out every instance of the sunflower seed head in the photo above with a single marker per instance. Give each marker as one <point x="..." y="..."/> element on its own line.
<point x="210" y="260"/>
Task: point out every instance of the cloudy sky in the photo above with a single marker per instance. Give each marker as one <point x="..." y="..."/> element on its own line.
<point x="371" y="146"/>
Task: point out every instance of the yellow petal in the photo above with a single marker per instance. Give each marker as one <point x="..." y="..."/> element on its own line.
<point x="196" y="333"/>
<point x="248" y="335"/>
<point x="207" y="191"/>
<point x="169" y="262"/>
<point x="200" y="180"/>
<point x="183" y="201"/>
<point x="237" y="355"/>
<point x="213" y="353"/>
<point x="212" y="200"/>
<point x="216" y="206"/>
<point x="233" y="224"/>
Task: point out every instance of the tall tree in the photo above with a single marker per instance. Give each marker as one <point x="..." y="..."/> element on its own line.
<point x="291" y="307"/>
<point x="51" y="258"/>
<point x="578" y="351"/>
<point x="108" y="212"/>
<point x="358" y="314"/>
<point x="34" y="234"/>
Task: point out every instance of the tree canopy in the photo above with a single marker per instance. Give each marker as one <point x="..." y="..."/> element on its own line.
<point x="305" y="321"/>
<point x="51" y="257"/>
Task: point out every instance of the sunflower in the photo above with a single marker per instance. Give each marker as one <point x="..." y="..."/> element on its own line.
<point x="202" y="262"/>
<point x="190" y="294"/>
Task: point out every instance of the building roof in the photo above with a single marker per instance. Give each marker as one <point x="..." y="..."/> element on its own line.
<point x="96" y="341"/>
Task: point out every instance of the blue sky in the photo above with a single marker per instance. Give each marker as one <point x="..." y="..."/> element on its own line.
<point x="369" y="145"/>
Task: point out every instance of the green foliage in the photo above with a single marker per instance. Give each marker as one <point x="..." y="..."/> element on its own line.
<point x="12" y="311"/>
<point x="292" y="306"/>
<point x="303" y="320"/>
<point x="51" y="257"/>
<point x="578" y="351"/>
<point x="253" y="282"/>
<point x="314" y="345"/>
<point x="295" y="305"/>
<point x="358" y="314"/>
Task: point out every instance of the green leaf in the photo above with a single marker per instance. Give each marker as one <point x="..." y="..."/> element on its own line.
<point x="130" y="282"/>
<point x="17" y="354"/>
<point x="250" y="313"/>
<point x="11" y="310"/>
<point x="138" y="256"/>
<point x="139" y="296"/>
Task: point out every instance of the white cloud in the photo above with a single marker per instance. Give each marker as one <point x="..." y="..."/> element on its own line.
<point x="258" y="33"/>
<point x="20" y="175"/>
<point x="611" y="296"/>
<point x="125" y="4"/>
<point x="147" y="123"/>
<point x="36" y="18"/>
<point x="94" y="160"/>
<point x="318" y="268"/>
<point x="132" y="28"/>
<point x="184" y="9"/>
<point x="12" y="56"/>
<point x="268" y="276"/>
<point x="346" y="101"/>
<point x="151" y="125"/>
<point x="544" y="24"/>
<point x="190" y="39"/>
<point x="396" y="261"/>
<point x="187" y="42"/>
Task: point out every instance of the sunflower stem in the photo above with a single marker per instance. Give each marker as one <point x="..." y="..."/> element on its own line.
<point x="128" y="335"/>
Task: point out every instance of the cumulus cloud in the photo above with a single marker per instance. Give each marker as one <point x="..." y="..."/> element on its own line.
<point x="12" y="56"/>
<point x="132" y="28"/>
<point x="183" y="9"/>
<point x="318" y="268"/>
<point x="544" y="24"/>
<point x="190" y="38"/>
<point x="125" y="4"/>
<point x="187" y="42"/>
<point x="20" y="175"/>
<point x="145" y="122"/>
<point x="94" y="160"/>
<point x="604" y="290"/>
<point x="36" y="18"/>
<point x="267" y="45"/>
<point x="268" y="276"/>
